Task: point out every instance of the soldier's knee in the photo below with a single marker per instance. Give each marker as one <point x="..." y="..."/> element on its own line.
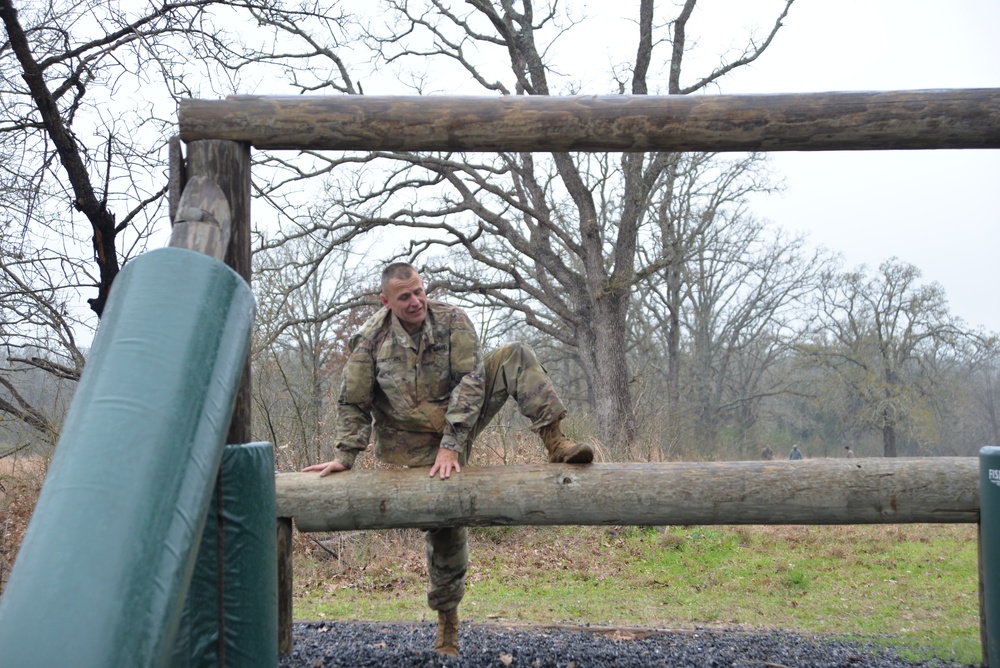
<point x="522" y="351"/>
<point x="510" y="349"/>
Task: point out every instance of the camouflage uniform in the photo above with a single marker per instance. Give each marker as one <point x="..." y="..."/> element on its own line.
<point x="432" y="390"/>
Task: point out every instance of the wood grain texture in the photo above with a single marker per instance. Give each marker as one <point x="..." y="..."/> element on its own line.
<point x="811" y="492"/>
<point x="227" y="164"/>
<point x="202" y="222"/>
<point x="285" y="585"/>
<point x="923" y="119"/>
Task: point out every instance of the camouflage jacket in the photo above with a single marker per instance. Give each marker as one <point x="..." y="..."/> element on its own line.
<point x="421" y="395"/>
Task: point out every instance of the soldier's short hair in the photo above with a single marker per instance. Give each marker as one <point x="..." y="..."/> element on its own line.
<point x="397" y="271"/>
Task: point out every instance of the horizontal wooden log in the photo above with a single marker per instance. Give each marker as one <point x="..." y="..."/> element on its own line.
<point x="819" y="491"/>
<point x="923" y="119"/>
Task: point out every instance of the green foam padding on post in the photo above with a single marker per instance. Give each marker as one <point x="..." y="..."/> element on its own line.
<point x="241" y="577"/>
<point x="989" y="551"/>
<point x="102" y="572"/>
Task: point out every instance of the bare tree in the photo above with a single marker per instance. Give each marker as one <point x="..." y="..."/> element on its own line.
<point x="306" y="312"/>
<point x="878" y="334"/>
<point x="554" y="238"/>
<point x="989" y="372"/>
<point x="87" y="103"/>
<point x="979" y="384"/>
<point x="38" y="339"/>
<point x="737" y="288"/>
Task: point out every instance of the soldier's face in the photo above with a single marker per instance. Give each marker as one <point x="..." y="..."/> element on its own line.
<point x="406" y="299"/>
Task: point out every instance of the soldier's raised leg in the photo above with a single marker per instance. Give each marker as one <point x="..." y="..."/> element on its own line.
<point x="513" y="371"/>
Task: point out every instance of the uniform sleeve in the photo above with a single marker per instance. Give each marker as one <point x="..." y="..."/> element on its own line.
<point x="354" y="405"/>
<point x="467" y="372"/>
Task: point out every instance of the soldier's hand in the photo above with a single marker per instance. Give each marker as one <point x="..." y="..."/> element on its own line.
<point x="445" y="462"/>
<point x="326" y="468"/>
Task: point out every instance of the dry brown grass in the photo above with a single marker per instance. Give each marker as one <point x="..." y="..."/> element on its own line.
<point x="23" y="466"/>
<point x="21" y="479"/>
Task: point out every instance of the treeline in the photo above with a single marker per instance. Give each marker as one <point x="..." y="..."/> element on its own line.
<point x="868" y="358"/>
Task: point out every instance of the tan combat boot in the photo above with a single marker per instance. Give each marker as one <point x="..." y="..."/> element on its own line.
<point x="447" y="633"/>
<point x="562" y="450"/>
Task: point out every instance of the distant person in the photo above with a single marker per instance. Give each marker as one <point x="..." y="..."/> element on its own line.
<point x="795" y="453"/>
<point x="767" y="454"/>
<point x="848" y="452"/>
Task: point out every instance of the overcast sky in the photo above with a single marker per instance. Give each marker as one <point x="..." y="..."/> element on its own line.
<point x="939" y="210"/>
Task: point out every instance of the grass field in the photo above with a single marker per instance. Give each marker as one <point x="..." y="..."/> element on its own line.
<point x="912" y="586"/>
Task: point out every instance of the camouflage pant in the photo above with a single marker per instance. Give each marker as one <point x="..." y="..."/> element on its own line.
<point x="512" y="371"/>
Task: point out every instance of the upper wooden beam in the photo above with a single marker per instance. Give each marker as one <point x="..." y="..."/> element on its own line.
<point x="923" y="119"/>
<point x="819" y="491"/>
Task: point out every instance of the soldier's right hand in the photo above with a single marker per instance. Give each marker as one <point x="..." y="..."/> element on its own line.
<point x="445" y="462"/>
<point x="326" y="468"/>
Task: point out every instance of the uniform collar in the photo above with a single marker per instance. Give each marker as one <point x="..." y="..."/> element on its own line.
<point x="426" y="329"/>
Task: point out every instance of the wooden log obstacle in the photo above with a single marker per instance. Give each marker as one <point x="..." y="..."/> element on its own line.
<point x="818" y="491"/>
<point x="929" y="119"/>
<point x="219" y="134"/>
<point x="809" y="492"/>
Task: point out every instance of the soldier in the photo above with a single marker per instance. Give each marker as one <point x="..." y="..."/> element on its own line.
<point x="795" y="453"/>
<point x="767" y="454"/>
<point x="431" y="417"/>
<point x="849" y="453"/>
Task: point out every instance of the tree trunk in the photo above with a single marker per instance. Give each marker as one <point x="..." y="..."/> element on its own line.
<point x="86" y="199"/>
<point x="674" y="351"/>
<point x="889" y="441"/>
<point x="602" y="345"/>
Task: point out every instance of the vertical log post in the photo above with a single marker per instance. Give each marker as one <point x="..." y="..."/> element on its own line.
<point x="285" y="585"/>
<point x="227" y="163"/>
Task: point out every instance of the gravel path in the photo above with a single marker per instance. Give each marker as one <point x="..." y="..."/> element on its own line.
<point x="386" y="645"/>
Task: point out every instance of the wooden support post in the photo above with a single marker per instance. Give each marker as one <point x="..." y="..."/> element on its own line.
<point x="227" y="164"/>
<point x="285" y="585"/>
<point x="811" y="492"/>
<point x="923" y="119"/>
<point x="177" y="175"/>
<point x="202" y="221"/>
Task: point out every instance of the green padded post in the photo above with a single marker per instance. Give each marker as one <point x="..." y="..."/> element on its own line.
<point x="989" y="532"/>
<point x="240" y="575"/>
<point x="103" y="570"/>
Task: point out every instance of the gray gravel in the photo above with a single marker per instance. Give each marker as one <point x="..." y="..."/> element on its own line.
<point x="318" y="645"/>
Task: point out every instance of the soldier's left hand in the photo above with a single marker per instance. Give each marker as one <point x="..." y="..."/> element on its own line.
<point x="445" y="462"/>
